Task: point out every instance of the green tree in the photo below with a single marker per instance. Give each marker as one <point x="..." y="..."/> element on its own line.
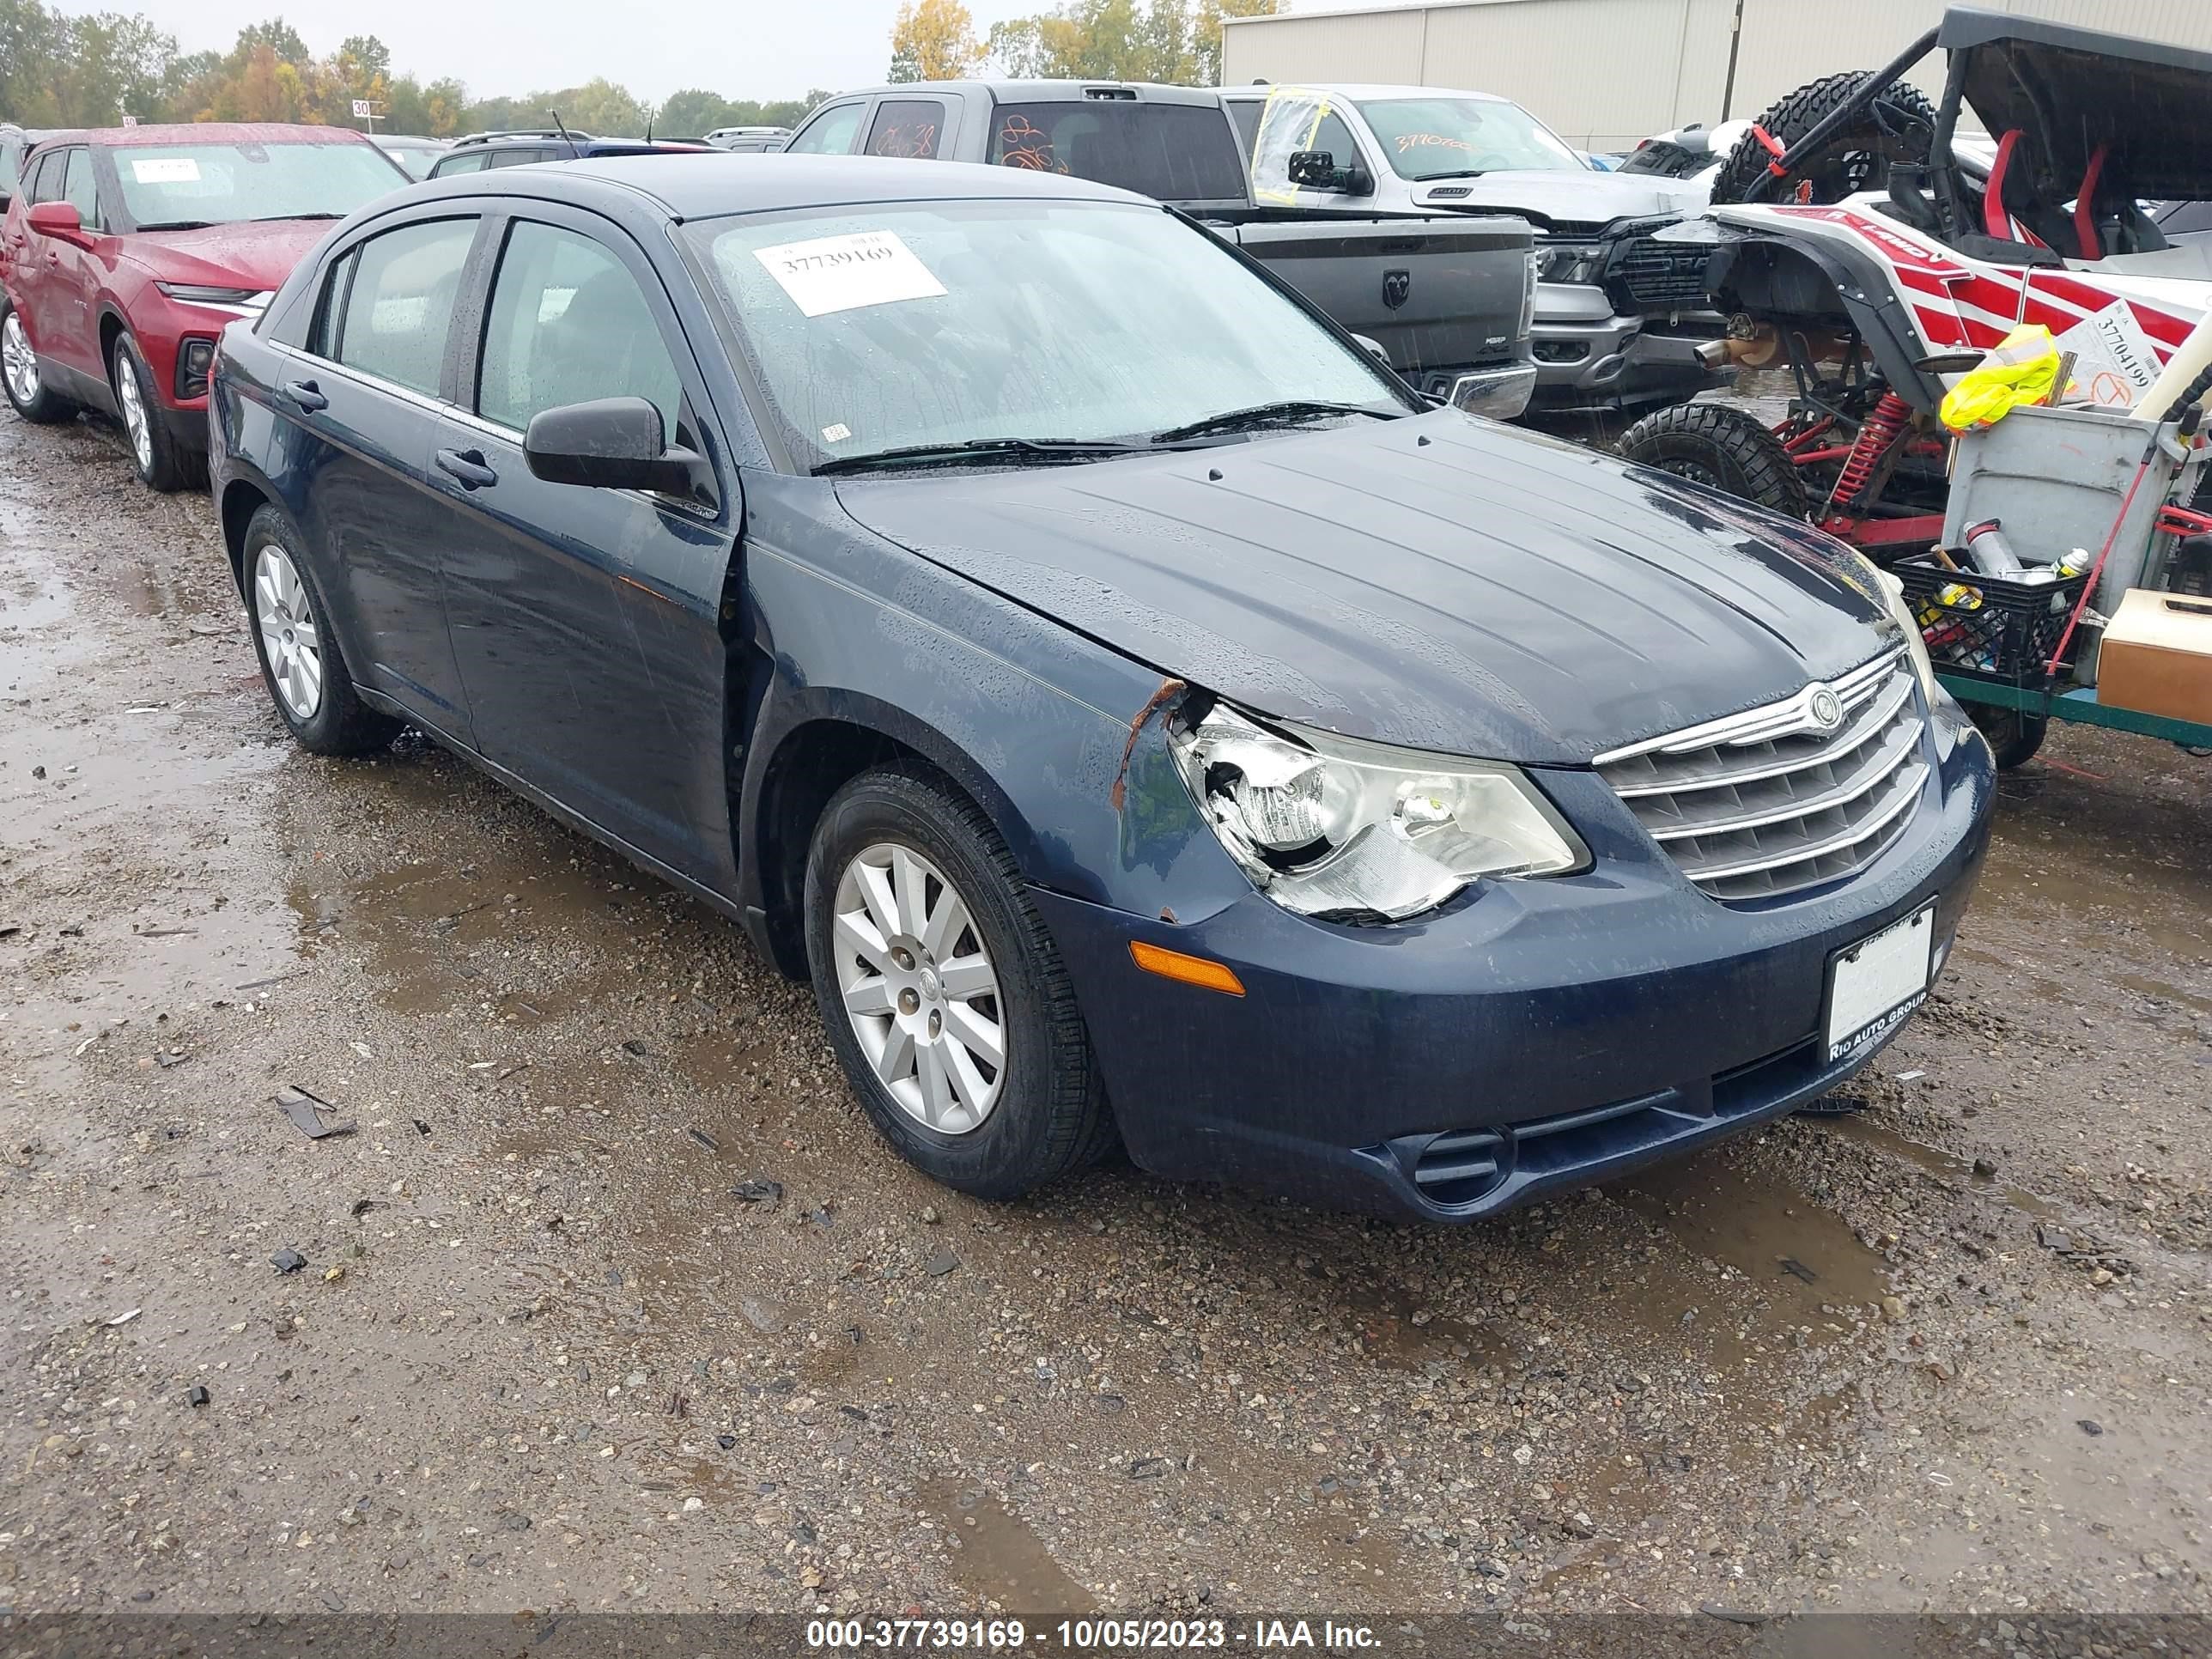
<point x="694" y="111"/>
<point x="1166" y="40"/>
<point x="279" y="36"/>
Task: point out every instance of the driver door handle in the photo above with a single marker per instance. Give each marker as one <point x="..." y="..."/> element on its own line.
<point x="467" y="465"/>
<point x="306" y="394"/>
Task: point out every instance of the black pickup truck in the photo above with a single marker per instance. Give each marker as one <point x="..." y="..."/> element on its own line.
<point x="1446" y="298"/>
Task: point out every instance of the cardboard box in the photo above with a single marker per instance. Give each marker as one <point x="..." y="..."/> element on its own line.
<point x="2157" y="656"/>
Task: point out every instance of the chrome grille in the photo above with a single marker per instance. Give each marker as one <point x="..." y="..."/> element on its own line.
<point x="1778" y="798"/>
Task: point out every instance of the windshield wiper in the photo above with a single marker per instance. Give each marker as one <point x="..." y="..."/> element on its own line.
<point x="984" y="449"/>
<point x="280" y="218"/>
<point x="179" y="224"/>
<point x="1246" y="420"/>
<point x="1463" y="172"/>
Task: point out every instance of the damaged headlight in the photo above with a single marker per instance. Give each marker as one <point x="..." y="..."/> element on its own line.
<point x="1327" y="825"/>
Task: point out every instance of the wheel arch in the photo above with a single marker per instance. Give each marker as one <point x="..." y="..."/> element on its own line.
<point x="819" y="740"/>
<point x="240" y="500"/>
<point x="1787" y="280"/>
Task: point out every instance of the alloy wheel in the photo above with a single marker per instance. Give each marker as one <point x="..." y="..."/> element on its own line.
<point x="288" y="634"/>
<point x="918" y="986"/>
<point x="17" y="360"/>
<point x="133" y="402"/>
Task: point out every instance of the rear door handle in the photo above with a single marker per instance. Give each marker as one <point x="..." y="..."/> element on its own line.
<point x="468" y="466"/>
<point x="306" y="394"/>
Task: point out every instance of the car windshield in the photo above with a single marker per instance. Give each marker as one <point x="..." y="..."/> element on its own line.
<point x="415" y="160"/>
<point x="1429" y="137"/>
<point x="933" y="323"/>
<point x="226" y="184"/>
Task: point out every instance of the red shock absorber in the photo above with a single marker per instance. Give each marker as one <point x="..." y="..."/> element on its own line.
<point x="1882" y="429"/>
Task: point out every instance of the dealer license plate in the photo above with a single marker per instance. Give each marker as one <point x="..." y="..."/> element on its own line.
<point x="1878" y="981"/>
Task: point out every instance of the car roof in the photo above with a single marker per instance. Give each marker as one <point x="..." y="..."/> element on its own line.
<point x="1362" y="90"/>
<point x="709" y="184"/>
<point x="176" y="134"/>
<point x="1037" y="92"/>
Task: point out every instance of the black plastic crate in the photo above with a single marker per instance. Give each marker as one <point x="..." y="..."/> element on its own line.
<point x="1990" y="628"/>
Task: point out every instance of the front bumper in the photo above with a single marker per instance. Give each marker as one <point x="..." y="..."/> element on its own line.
<point x="1588" y="356"/>
<point x="1564" y="1030"/>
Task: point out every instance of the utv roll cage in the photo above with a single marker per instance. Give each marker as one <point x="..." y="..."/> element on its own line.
<point x="2085" y="124"/>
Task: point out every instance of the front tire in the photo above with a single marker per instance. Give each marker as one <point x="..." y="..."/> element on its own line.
<point x="943" y="992"/>
<point x="1720" y="446"/>
<point x="28" y="394"/>
<point x="300" y="660"/>
<point x="163" y="462"/>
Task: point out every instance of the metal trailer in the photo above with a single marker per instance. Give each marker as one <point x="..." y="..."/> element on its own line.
<point x="2113" y="486"/>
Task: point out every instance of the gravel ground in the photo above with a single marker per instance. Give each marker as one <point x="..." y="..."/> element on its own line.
<point x="613" y="1300"/>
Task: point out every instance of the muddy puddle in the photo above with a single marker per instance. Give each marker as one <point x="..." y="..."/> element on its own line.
<point x="996" y="1556"/>
<point x="1954" y="1173"/>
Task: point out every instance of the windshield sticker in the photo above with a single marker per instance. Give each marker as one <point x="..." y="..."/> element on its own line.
<point x="166" y="170"/>
<point x="844" y="273"/>
<point x="836" y="434"/>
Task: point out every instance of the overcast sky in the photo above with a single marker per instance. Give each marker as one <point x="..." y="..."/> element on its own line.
<point x="739" y="48"/>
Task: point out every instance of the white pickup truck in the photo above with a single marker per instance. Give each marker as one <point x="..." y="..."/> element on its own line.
<point x="1620" y="316"/>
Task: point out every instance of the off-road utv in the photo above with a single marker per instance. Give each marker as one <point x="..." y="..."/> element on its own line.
<point x="1855" y="248"/>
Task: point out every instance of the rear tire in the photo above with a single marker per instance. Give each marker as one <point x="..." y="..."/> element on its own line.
<point x="2013" y="737"/>
<point x="1720" y="446"/>
<point x="28" y="394"/>
<point x="1898" y="126"/>
<point x="301" y="662"/>
<point x="163" y="464"/>
<point x="1042" y="1110"/>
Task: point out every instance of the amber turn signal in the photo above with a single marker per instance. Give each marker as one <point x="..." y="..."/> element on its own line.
<point x="1191" y="971"/>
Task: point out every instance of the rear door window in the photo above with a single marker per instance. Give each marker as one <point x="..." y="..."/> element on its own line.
<point x="515" y="158"/>
<point x="1170" y="152"/>
<point x="830" y="133"/>
<point x="911" y="127"/>
<point x="470" y="161"/>
<point x="393" y="302"/>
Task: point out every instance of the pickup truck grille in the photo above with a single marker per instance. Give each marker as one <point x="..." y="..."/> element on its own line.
<point x="1646" y="274"/>
<point x="1788" y="796"/>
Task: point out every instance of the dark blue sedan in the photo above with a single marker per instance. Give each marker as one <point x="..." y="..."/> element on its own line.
<point x="1138" y="714"/>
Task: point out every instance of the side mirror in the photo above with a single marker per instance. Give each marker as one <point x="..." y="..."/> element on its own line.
<point x="57" y="219"/>
<point x="1316" y="169"/>
<point x="610" y="443"/>
<point x="1373" y="348"/>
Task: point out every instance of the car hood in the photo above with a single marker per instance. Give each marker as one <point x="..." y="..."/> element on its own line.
<point x="1555" y="198"/>
<point x="256" y="256"/>
<point x="1437" y="582"/>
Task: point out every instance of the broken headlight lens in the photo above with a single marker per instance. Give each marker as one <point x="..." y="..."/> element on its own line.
<point x="1331" y="826"/>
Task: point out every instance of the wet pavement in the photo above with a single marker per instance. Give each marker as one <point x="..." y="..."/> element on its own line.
<point x="613" y="1299"/>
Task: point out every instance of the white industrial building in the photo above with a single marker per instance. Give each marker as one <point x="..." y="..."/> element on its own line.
<point x="1605" y="73"/>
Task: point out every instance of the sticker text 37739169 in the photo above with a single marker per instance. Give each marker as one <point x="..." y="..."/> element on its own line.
<point x="844" y="273"/>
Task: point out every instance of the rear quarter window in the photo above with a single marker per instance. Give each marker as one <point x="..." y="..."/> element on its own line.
<point x="911" y="127"/>
<point x="1170" y="152"/>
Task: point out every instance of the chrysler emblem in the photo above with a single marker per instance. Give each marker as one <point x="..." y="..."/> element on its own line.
<point x="1827" y="709"/>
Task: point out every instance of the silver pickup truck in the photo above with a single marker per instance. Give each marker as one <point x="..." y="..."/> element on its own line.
<point x="1445" y="298"/>
<point x="1620" y="317"/>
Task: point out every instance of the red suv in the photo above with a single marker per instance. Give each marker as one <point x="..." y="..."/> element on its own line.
<point x="126" y="249"/>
